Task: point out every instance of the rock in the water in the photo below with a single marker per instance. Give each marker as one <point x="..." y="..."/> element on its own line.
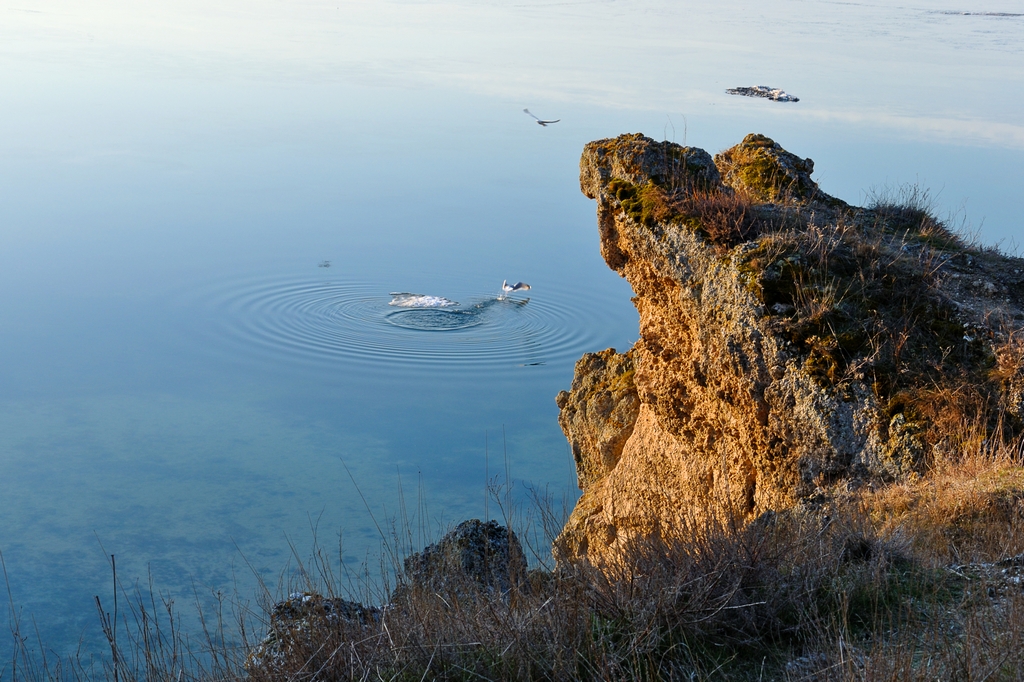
<point x="474" y="557"/>
<point x="789" y="343"/>
<point x="774" y="94"/>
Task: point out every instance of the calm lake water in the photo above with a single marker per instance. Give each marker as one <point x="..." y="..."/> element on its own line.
<point x="182" y="384"/>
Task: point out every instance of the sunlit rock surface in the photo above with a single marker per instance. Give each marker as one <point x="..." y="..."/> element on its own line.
<point x="790" y="345"/>
<point x="599" y="412"/>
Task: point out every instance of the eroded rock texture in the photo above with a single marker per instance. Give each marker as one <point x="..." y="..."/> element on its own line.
<point x="598" y="414"/>
<point x="474" y="556"/>
<point x="789" y="344"/>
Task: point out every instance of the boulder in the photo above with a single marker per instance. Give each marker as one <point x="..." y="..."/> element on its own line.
<point x="300" y="624"/>
<point x="474" y="557"/>
<point x="761" y="167"/>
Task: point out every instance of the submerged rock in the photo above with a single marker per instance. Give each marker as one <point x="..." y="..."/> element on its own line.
<point x="789" y="344"/>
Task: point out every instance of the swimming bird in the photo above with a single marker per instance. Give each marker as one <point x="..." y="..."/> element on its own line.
<point x="509" y="288"/>
<point x="543" y="123"/>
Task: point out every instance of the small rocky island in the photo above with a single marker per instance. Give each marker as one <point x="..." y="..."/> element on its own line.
<point x="765" y="91"/>
<point x="807" y="467"/>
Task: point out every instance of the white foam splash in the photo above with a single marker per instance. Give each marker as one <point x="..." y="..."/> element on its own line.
<point x="407" y="300"/>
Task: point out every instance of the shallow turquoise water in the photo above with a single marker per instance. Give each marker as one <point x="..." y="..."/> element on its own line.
<point x="181" y="380"/>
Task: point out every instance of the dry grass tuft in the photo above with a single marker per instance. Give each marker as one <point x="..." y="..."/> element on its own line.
<point x="909" y="211"/>
<point x="736" y="600"/>
<point x="964" y="511"/>
<point x="723" y="216"/>
<point x="726" y="218"/>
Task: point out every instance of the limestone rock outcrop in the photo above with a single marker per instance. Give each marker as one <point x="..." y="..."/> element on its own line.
<point x="760" y="166"/>
<point x="790" y="345"/>
<point x="599" y="412"/>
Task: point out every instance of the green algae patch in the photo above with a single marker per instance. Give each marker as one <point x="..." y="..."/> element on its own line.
<point x="646" y="204"/>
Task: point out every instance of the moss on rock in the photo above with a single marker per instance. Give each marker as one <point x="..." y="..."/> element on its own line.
<point x="762" y="168"/>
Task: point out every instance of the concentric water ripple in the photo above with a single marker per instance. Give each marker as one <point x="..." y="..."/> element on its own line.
<point x="436" y="320"/>
<point x="331" y="319"/>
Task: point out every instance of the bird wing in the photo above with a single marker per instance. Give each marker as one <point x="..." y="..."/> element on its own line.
<point x="527" y="111"/>
<point x="544" y="123"/>
<point x="520" y="285"/>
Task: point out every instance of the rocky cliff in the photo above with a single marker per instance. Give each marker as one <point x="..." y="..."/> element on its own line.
<point x="791" y="346"/>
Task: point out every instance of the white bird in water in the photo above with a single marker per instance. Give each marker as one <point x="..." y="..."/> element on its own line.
<point x="509" y="288"/>
<point x="505" y="286"/>
<point x="543" y="123"/>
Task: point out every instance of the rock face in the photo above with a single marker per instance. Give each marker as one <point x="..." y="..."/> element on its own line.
<point x="790" y="345"/>
<point x="599" y="413"/>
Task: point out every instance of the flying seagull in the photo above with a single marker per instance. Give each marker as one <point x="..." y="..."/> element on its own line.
<point x="505" y="286"/>
<point x="543" y="123"/>
<point x="509" y="288"/>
